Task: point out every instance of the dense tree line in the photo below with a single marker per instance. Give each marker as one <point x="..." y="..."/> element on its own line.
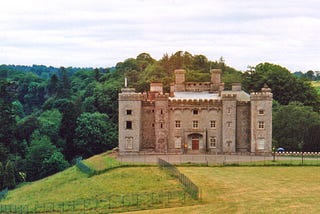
<point x="50" y="116"/>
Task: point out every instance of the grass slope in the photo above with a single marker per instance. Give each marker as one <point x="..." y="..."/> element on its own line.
<point x="72" y="184"/>
<point x="253" y="190"/>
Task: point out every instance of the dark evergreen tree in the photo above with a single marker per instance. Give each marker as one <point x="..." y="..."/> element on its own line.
<point x="9" y="179"/>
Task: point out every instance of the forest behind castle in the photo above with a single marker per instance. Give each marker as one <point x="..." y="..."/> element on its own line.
<point x="51" y="116"/>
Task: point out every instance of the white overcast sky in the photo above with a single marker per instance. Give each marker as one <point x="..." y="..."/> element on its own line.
<point x="100" y="33"/>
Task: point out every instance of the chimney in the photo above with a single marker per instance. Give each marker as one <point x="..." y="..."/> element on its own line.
<point x="180" y="78"/>
<point x="236" y="86"/>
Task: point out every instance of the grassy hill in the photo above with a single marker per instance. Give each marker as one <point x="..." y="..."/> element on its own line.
<point x="72" y="185"/>
<point x="273" y="189"/>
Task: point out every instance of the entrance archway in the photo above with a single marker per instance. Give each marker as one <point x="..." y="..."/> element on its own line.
<point x="194" y="141"/>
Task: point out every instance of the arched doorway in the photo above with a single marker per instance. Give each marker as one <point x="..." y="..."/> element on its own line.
<point x="194" y="141"/>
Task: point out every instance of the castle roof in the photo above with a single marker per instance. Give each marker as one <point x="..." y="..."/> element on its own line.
<point x="205" y="95"/>
<point x="195" y="95"/>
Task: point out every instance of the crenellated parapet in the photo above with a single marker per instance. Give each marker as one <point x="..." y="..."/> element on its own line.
<point x="230" y="97"/>
<point x="195" y="102"/>
<point x="130" y="97"/>
<point x="261" y="96"/>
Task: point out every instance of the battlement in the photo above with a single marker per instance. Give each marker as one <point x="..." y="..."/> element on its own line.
<point x="130" y="96"/>
<point x="197" y="102"/>
<point x="229" y="97"/>
<point x="261" y="96"/>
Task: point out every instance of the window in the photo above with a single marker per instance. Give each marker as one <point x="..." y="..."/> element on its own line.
<point x="229" y="124"/>
<point x="178" y="124"/>
<point x="261" y="143"/>
<point x="261" y="124"/>
<point x="161" y="125"/>
<point x="195" y="124"/>
<point x="129" y="142"/>
<point x="213" y="124"/>
<point x="228" y="110"/>
<point x="261" y="112"/>
<point x="161" y="111"/>
<point x="128" y="124"/>
<point x="195" y="111"/>
<point x="213" y="142"/>
<point x="177" y="142"/>
<point x="129" y="111"/>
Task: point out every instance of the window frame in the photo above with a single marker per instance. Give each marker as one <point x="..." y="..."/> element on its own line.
<point x="129" y="124"/>
<point x="261" y="125"/>
<point x="213" y="124"/>
<point x="178" y="124"/>
<point x="195" y="124"/>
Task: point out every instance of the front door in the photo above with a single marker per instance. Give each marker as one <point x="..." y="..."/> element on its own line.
<point x="195" y="143"/>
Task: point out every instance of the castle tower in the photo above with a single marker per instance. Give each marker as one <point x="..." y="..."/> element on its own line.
<point x="129" y="121"/>
<point x="229" y="116"/>
<point x="261" y="121"/>
<point x="161" y="123"/>
<point x="180" y="78"/>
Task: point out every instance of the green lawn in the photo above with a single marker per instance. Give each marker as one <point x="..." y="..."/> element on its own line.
<point x="231" y="189"/>
<point x="253" y="190"/>
<point x="74" y="185"/>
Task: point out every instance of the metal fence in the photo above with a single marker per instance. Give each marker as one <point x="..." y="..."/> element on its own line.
<point x="3" y="194"/>
<point x="278" y="159"/>
<point x="113" y="203"/>
<point x="190" y="187"/>
<point x="84" y="168"/>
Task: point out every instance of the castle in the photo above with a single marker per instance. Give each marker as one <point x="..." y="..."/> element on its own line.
<point x="195" y="118"/>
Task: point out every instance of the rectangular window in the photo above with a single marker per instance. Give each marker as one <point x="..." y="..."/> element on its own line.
<point x="129" y="111"/>
<point x="213" y="124"/>
<point x="178" y="124"/>
<point x="177" y="142"/>
<point x="213" y="142"/>
<point x="228" y="110"/>
<point x="129" y="142"/>
<point x="261" y="143"/>
<point x="161" y="125"/>
<point x="229" y="124"/>
<point x="261" y="112"/>
<point x="195" y="111"/>
<point x="128" y="124"/>
<point x="195" y="124"/>
<point x="261" y="124"/>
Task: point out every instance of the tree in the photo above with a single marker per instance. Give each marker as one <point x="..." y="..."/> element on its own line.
<point x="7" y="116"/>
<point x="1" y="176"/>
<point x="292" y="124"/>
<point x="285" y="86"/>
<point x="9" y="179"/>
<point x="64" y="86"/>
<point x="41" y="156"/>
<point x="94" y="134"/>
<point x="52" y="86"/>
<point x="49" y="124"/>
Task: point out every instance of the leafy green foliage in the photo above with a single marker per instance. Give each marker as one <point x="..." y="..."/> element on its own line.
<point x="285" y="87"/>
<point x="293" y="126"/>
<point x="94" y="134"/>
<point x="43" y="158"/>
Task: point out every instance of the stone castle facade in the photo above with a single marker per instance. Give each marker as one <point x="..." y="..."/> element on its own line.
<point x="195" y="118"/>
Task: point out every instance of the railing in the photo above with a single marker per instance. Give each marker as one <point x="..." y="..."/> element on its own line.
<point x="84" y="168"/>
<point x="112" y="203"/>
<point x="3" y="194"/>
<point x="190" y="187"/>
